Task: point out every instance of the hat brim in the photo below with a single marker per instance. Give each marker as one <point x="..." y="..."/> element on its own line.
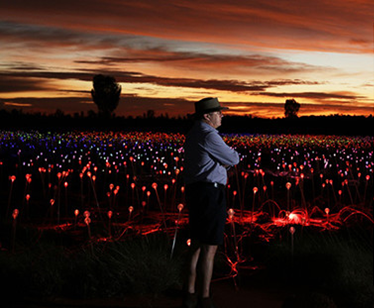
<point x="210" y="110"/>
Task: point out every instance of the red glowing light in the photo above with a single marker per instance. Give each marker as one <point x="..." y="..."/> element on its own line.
<point x="87" y="220"/>
<point x="15" y="213"/>
<point x="231" y="213"/>
<point x="110" y="214"/>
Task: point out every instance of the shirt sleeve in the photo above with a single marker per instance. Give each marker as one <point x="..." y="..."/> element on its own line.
<point x="220" y="151"/>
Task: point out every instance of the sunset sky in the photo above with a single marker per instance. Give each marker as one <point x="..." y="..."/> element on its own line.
<point x="251" y="54"/>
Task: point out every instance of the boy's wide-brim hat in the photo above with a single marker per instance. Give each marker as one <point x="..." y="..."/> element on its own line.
<point x="207" y="105"/>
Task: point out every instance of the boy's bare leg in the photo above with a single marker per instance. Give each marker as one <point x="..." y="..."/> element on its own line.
<point x="207" y="261"/>
<point x="192" y="270"/>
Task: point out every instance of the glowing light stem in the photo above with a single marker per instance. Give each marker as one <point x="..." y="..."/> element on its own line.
<point x="136" y="191"/>
<point x="165" y="196"/>
<point x="58" y="202"/>
<point x="292" y="231"/>
<point x="76" y="213"/>
<point x="42" y="179"/>
<point x="238" y="187"/>
<point x="366" y="186"/>
<point x="174" y="189"/>
<point x="340" y="196"/>
<point x="233" y="198"/>
<point x="114" y="199"/>
<point x="66" y="197"/>
<point x="180" y="208"/>
<point x="132" y="166"/>
<point x="255" y="189"/>
<point x="27" y="197"/>
<point x="231" y="218"/>
<point x="301" y="186"/>
<point x="131" y="209"/>
<point x="154" y="186"/>
<point x="243" y="197"/>
<point x="313" y="187"/>
<point x="333" y="191"/>
<point x="95" y="196"/>
<point x="355" y="184"/>
<point x="349" y="193"/>
<point x="87" y="221"/>
<point x="327" y="211"/>
<point x="288" y="186"/>
<point x="133" y="193"/>
<point x="12" y="178"/>
<point x="14" y="228"/>
<point x="82" y="197"/>
<point x="183" y="194"/>
<point x="110" y="213"/>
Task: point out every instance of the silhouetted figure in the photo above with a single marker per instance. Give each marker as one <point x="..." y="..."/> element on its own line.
<point x="105" y="94"/>
<point x="291" y="108"/>
<point x="207" y="159"/>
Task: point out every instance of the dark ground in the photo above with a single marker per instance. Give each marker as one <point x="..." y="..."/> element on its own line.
<point x="225" y="294"/>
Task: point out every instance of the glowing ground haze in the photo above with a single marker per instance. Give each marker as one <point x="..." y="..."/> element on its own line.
<point x="281" y="181"/>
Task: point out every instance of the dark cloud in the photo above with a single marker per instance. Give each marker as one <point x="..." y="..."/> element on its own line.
<point x="9" y="84"/>
<point x="207" y="61"/>
<point x="315" y="95"/>
<point x="19" y="81"/>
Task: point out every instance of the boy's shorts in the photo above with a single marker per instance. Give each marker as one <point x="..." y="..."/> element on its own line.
<point x="206" y="203"/>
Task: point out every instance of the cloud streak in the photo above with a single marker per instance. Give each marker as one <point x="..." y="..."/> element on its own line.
<point x="293" y="22"/>
<point x="171" y="52"/>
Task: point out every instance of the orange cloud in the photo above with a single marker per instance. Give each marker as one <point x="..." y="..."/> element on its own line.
<point x="241" y="51"/>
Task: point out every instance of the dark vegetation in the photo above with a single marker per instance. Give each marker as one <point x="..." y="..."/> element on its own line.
<point x="319" y="125"/>
<point x="325" y="268"/>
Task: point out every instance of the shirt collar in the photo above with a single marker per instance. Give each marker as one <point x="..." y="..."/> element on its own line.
<point x="206" y="126"/>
